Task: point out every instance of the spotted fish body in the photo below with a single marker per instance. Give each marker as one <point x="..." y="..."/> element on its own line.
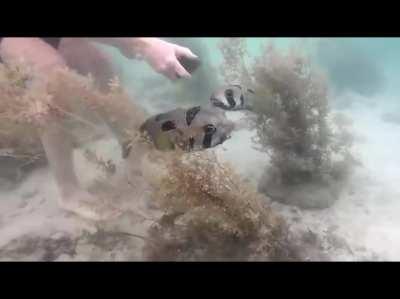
<point x="199" y="127"/>
<point x="192" y="129"/>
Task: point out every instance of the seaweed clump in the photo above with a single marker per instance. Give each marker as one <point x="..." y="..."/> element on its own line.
<point x="209" y="213"/>
<point x="64" y="98"/>
<point x="309" y="149"/>
<point x="20" y="147"/>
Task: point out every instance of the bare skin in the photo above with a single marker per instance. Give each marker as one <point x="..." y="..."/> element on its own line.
<point x="83" y="56"/>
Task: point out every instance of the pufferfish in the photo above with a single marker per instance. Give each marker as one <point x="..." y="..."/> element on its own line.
<point x="233" y="98"/>
<point x="199" y="127"/>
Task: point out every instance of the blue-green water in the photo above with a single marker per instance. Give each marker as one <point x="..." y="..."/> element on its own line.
<point x="354" y="64"/>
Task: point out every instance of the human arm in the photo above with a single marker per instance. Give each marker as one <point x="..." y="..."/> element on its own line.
<point x="161" y="55"/>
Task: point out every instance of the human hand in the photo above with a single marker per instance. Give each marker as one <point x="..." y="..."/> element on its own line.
<point x="164" y="57"/>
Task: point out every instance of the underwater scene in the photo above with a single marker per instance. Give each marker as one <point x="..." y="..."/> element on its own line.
<point x="199" y="149"/>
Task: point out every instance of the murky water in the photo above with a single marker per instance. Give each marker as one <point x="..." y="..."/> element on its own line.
<point x="363" y="224"/>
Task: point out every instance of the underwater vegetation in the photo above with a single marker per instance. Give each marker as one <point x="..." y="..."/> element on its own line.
<point x="207" y="211"/>
<point x="309" y="149"/>
<point x="349" y="67"/>
<point x="294" y="130"/>
<point x="20" y="148"/>
<point x="234" y="68"/>
<point x="210" y="213"/>
<point x="66" y="99"/>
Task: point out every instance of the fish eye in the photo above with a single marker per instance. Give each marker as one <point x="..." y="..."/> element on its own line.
<point x="230" y="97"/>
<point x="229" y="93"/>
<point x="208" y="129"/>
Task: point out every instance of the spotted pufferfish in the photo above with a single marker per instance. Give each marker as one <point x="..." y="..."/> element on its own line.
<point x="199" y="127"/>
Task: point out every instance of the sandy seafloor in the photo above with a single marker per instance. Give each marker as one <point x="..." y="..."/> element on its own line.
<point x="364" y="224"/>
